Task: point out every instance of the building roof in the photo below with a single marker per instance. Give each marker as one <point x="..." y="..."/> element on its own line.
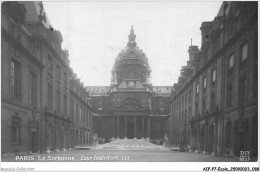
<point x="162" y="89"/>
<point x="98" y="90"/>
<point x="35" y="12"/>
<point x="131" y="51"/>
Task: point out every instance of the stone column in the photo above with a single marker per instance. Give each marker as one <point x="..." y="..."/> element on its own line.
<point x="142" y="127"/>
<point x="205" y="138"/>
<point x="215" y="139"/>
<point x="198" y="137"/>
<point x="125" y="127"/>
<point x="135" y="127"/>
<point x="113" y="121"/>
<point x="148" y="129"/>
<point x="117" y="127"/>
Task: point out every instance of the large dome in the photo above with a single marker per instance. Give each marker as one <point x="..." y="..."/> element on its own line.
<point x="132" y="53"/>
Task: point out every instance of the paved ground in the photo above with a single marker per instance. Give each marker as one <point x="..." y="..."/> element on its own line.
<point x="131" y="144"/>
<point x="123" y="155"/>
<point x="122" y="151"/>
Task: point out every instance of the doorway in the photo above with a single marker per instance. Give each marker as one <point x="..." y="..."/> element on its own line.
<point x="130" y="129"/>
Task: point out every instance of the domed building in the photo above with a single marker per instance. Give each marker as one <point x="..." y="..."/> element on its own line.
<point x="130" y="107"/>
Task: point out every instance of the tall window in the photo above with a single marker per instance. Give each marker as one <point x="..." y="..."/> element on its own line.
<point x="77" y="112"/>
<point x="65" y="104"/>
<point x="230" y="70"/>
<point x="80" y="114"/>
<point x="231" y="62"/>
<point x="50" y="97"/>
<point x="197" y="88"/>
<point x="196" y="108"/>
<point x="58" y="73"/>
<point x="16" y="130"/>
<point x="87" y="118"/>
<point x="33" y="88"/>
<point x="72" y="109"/>
<point x="15" y="85"/>
<point x="204" y="104"/>
<point x="242" y="89"/>
<point x="244" y="52"/>
<point x="65" y="79"/>
<point x="58" y="102"/>
<point x="213" y="102"/>
<point x="50" y="65"/>
<point x="229" y="93"/>
<point x="213" y="76"/>
<point x="190" y="96"/>
<point x="204" y="83"/>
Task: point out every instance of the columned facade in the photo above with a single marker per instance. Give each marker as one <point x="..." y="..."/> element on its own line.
<point x="130" y="108"/>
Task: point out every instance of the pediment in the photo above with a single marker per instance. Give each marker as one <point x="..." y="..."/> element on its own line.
<point x="130" y="107"/>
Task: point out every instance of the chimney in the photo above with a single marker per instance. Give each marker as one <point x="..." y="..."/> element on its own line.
<point x="192" y="51"/>
<point x="205" y="29"/>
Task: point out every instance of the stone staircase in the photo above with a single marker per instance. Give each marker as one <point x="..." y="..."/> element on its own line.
<point x="131" y="144"/>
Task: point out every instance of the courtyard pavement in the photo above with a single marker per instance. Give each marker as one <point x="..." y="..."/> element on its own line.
<point x="122" y="151"/>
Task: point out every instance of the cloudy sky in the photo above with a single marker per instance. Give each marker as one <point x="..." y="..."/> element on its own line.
<point x="95" y="32"/>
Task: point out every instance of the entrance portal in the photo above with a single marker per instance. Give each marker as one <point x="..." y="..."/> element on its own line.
<point x="130" y="129"/>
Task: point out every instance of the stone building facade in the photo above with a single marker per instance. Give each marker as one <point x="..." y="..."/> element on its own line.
<point x="214" y="105"/>
<point x="36" y="79"/>
<point x="130" y="108"/>
<point x="81" y="114"/>
<point x="20" y="88"/>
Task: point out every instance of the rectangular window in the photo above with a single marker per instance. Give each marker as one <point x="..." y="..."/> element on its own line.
<point x="190" y="96"/>
<point x="58" y="73"/>
<point x="204" y="104"/>
<point x="65" y="79"/>
<point x="87" y="118"/>
<point x="213" y="102"/>
<point x="80" y="114"/>
<point x="65" y="105"/>
<point x="244" y="52"/>
<point x="196" y="108"/>
<point x="229" y="93"/>
<point x="16" y="130"/>
<point x="197" y="88"/>
<point x="58" y="102"/>
<point x="50" y="97"/>
<point x="231" y="62"/>
<point x="77" y="113"/>
<point x="72" y="109"/>
<point x="213" y="75"/>
<point x="204" y="83"/>
<point x="15" y="78"/>
<point x="242" y="88"/>
<point x="33" y="88"/>
<point x="50" y="65"/>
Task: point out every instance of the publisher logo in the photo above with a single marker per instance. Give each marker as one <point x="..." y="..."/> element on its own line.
<point x="244" y="156"/>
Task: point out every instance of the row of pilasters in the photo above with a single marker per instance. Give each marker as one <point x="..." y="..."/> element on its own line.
<point x="205" y="138"/>
<point x="145" y="126"/>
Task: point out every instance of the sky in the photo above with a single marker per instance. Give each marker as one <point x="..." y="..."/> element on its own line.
<point x="95" y="32"/>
